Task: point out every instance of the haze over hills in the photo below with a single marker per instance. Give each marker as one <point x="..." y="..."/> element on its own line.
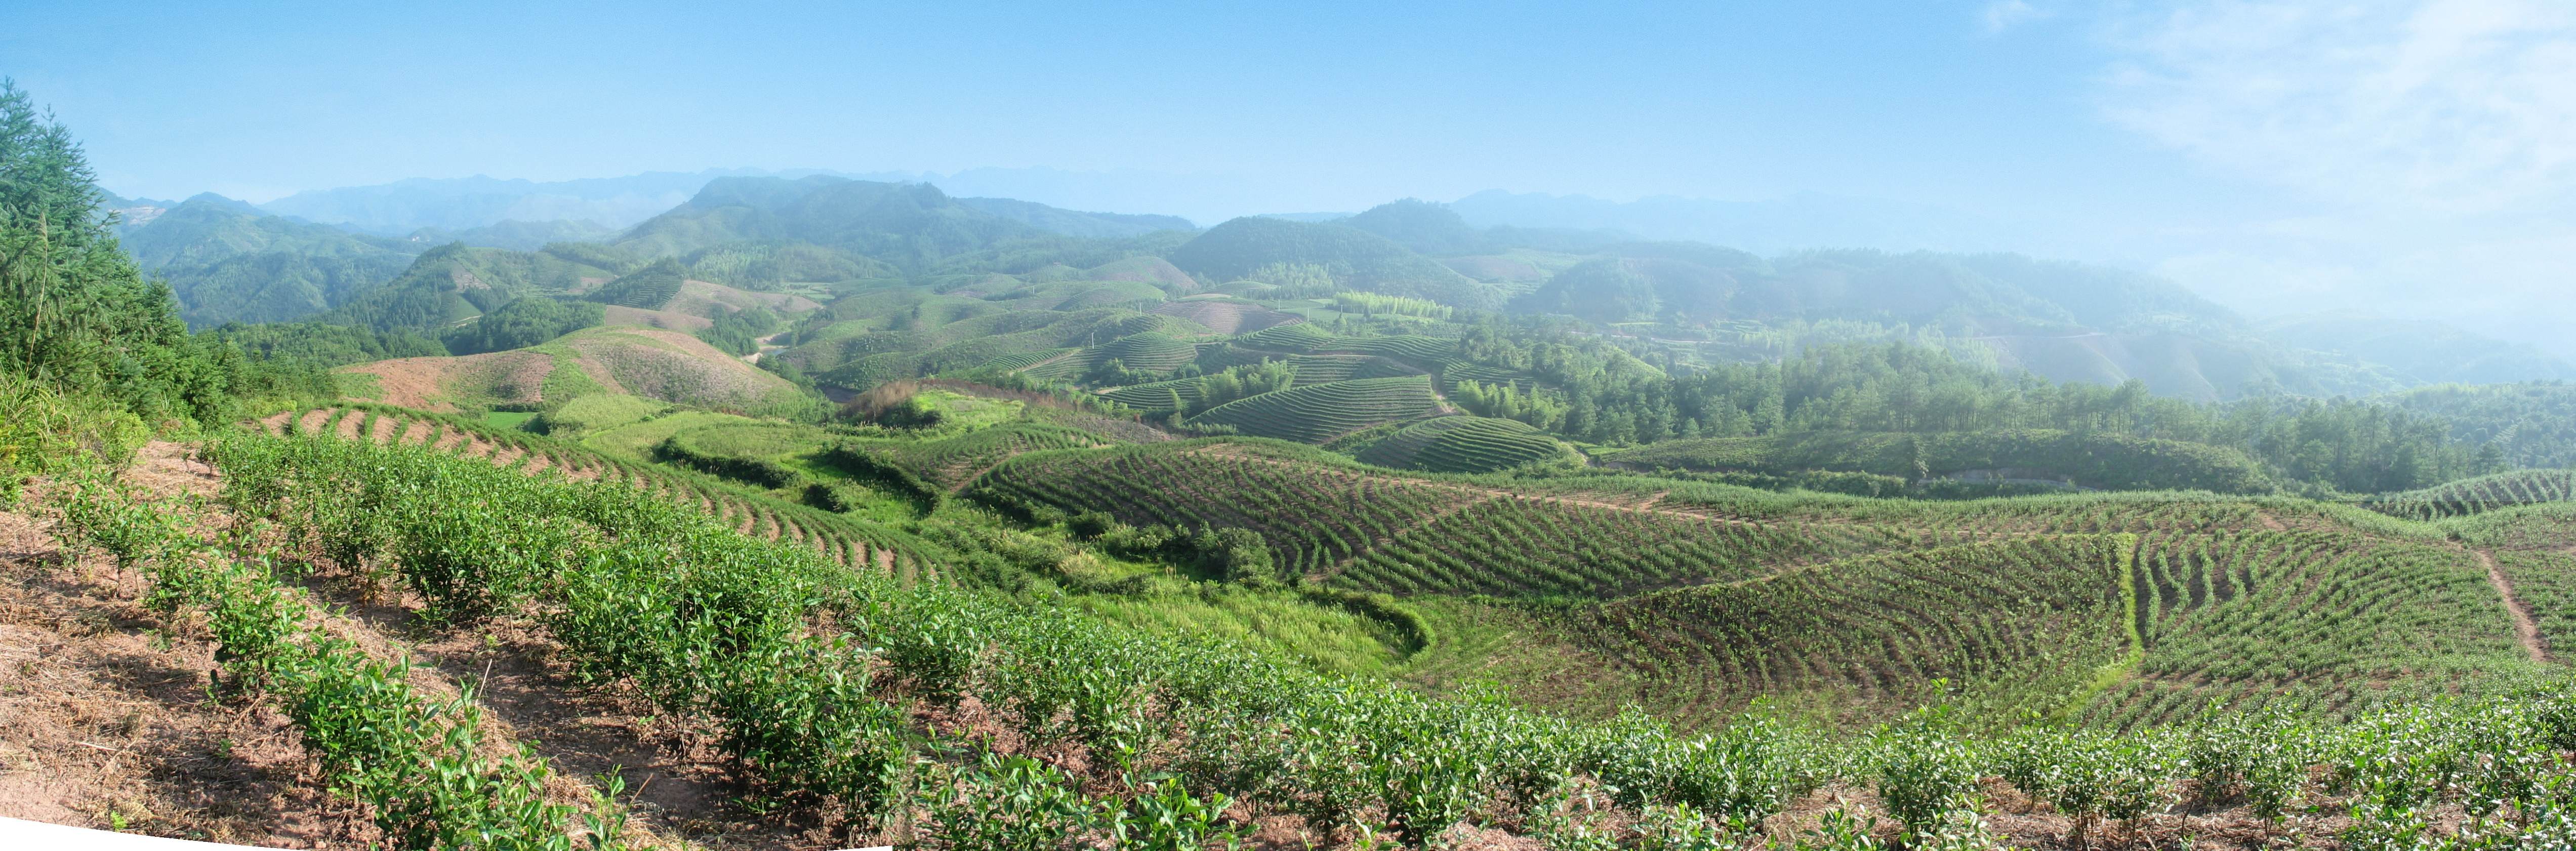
<point x="2064" y="321"/>
<point x="859" y="514"/>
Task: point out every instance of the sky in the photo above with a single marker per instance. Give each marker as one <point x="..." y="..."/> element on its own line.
<point x="2415" y="157"/>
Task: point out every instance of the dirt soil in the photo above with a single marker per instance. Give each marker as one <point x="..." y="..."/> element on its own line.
<point x="111" y="717"/>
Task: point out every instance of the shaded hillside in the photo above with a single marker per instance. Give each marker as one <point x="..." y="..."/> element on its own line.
<point x="1072" y="223"/>
<point x="517" y="235"/>
<point x="226" y="264"/>
<point x="645" y="362"/>
<point x="911" y="226"/>
<point x="455" y="283"/>
<point x="2530" y="424"/>
<point x="1354" y="258"/>
<point x="1435" y="230"/>
<point x="2423" y="352"/>
<point x="2032" y="455"/>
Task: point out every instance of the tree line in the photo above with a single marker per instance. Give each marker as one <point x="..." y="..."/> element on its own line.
<point x="1588" y="389"/>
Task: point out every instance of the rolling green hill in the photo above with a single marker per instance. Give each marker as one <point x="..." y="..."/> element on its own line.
<point x="1317" y="413"/>
<point x="2093" y="461"/>
<point x="2481" y="494"/>
<point x="1466" y="445"/>
<point x="910" y="226"/>
<point x="228" y="265"/>
<point x="1355" y="259"/>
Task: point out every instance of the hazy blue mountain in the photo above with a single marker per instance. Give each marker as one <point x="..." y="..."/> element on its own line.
<point x="1435" y="230"/>
<point x="1801" y="221"/>
<point x="518" y="235"/>
<point x="1075" y="223"/>
<point x="206" y="228"/>
<point x="2423" y="351"/>
<point x="227" y="262"/>
<point x="1356" y="259"/>
<point x="458" y="204"/>
<point x="909" y="225"/>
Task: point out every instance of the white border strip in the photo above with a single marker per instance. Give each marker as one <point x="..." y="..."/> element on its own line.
<point x="40" y="836"/>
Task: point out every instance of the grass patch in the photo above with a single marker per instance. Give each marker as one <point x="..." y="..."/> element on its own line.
<point x="358" y="385"/>
<point x="1331" y="639"/>
<point x="509" y="419"/>
<point x="636" y="441"/>
<point x="589" y="414"/>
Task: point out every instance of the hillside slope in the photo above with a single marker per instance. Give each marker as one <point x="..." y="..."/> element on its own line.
<point x="647" y="362"/>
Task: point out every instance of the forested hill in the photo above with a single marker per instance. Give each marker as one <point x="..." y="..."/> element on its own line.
<point x="912" y="226"/>
<point x="1705" y="304"/>
<point x="226" y="263"/>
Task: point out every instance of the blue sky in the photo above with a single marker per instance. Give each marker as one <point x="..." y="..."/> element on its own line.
<point x="2414" y="156"/>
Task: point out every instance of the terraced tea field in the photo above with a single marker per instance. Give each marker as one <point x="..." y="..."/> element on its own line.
<point x="953" y="462"/>
<point x="2014" y="626"/>
<point x="1464" y="445"/>
<point x="847" y="541"/>
<point x="2486" y="493"/>
<point x="1380" y="532"/>
<point x="1318" y="413"/>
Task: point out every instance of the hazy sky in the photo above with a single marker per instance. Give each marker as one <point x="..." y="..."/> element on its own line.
<point x="2416" y="156"/>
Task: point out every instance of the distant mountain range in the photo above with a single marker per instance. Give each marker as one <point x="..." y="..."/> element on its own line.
<point x="1638" y="266"/>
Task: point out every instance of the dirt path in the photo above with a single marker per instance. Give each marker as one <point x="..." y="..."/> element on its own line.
<point x="2523" y="626"/>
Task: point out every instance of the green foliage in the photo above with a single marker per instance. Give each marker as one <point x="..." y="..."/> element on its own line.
<point x="1367" y="304"/>
<point x="2089" y="460"/>
<point x="647" y="288"/>
<point x="614" y="260"/>
<point x="1924" y="771"/>
<point x="769" y="265"/>
<point x="325" y="346"/>
<point x="416" y="759"/>
<point x="596" y="412"/>
<point x="1467" y="445"/>
<point x="739" y="332"/>
<point x="910" y="226"/>
<point x="42" y="433"/>
<point x="2531" y="424"/>
<point x="1197" y="395"/>
<point x="74" y="312"/>
<point x="1320" y="412"/>
<point x="807" y="670"/>
<point x="1355" y="259"/>
<point x="524" y="322"/>
<point x="2485" y="493"/>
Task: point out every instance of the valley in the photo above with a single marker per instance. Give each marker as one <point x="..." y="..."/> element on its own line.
<point x="824" y="513"/>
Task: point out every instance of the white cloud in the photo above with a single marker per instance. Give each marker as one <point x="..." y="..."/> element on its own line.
<point x="2002" y="15"/>
<point x="2441" y="106"/>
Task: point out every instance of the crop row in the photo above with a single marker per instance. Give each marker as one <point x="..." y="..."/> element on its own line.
<point x="1158" y="395"/>
<point x="2485" y="493"/>
<point x="1311" y="519"/>
<point x="2316" y="621"/>
<point x="1522" y="545"/>
<point x="1462" y="444"/>
<point x="950" y="463"/>
<point x="1483" y="445"/>
<point x="804" y="669"/>
<point x="416" y="760"/>
<point x="2020" y="625"/>
<point x="1320" y="412"/>
<point x="843" y="539"/>
<point x="1408" y="535"/>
